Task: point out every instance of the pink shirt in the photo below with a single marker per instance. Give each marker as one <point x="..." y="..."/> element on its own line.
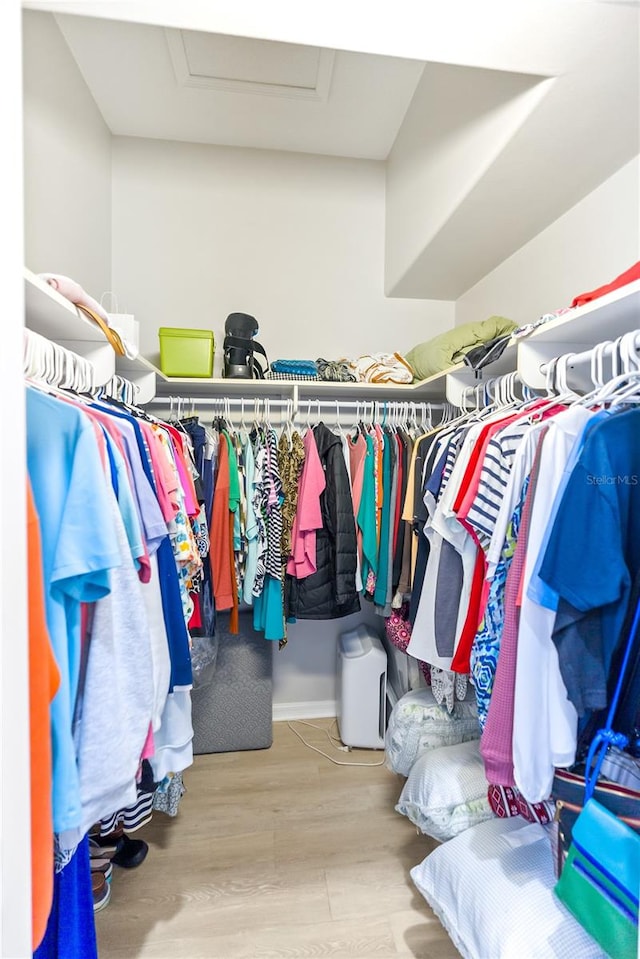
<point x="357" y="453"/>
<point x="181" y="458"/>
<point x="308" y="519"/>
<point x="496" y="743"/>
<point x="160" y="472"/>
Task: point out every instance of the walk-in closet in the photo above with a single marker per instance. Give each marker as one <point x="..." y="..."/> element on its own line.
<point x="319" y="572"/>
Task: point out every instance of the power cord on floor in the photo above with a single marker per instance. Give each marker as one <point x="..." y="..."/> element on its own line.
<point x="334" y="742"/>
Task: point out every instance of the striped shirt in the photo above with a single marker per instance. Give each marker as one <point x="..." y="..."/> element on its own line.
<point x="494" y="477"/>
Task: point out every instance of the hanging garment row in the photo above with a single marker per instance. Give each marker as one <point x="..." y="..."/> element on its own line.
<point x="528" y="563"/>
<point x="305" y="521"/>
<point x="51" y="363"/>
<point x="114" y="558"/>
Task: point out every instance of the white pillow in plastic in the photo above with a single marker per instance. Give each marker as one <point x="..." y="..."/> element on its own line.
<point x="417" y="724"/>
<point x="492" y="890"/>
<point x="446" y="791"/>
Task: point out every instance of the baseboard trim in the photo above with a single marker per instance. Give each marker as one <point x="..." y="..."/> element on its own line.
<point x="314" y="710"/>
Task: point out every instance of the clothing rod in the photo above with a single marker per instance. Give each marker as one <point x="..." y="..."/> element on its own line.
<point x="606" y="348"/>
<point x="285" y="404"/>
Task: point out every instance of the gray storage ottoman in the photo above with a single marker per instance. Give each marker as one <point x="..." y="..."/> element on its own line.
<point x="235" y="710"/>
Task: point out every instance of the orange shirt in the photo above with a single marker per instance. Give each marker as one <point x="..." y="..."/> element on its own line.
<point x="44" y="680"/>
<point x="220" y="535"/>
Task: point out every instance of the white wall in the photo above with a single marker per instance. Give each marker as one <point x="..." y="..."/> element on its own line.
<point x="67" y="153"/>
<point x="588" y="246"/>
<point x="296" y="240"/>
<point x="304" y="671"/>
<point x="457" y="123"/>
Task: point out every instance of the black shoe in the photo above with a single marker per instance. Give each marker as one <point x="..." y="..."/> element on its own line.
<point x="130" y="853"/>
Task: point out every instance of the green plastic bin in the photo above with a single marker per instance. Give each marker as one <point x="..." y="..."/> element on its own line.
<point x="186" y="352"/>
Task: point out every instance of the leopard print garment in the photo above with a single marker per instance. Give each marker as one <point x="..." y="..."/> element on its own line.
<point x="290" y="463"/>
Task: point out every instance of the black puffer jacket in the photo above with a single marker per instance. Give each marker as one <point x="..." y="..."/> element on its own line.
<point x="330" y="592"/>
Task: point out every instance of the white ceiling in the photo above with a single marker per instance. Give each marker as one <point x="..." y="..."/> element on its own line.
<point x="233" y="91"/>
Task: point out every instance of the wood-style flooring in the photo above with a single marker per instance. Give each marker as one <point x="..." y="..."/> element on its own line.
<point x="277" y="854"/>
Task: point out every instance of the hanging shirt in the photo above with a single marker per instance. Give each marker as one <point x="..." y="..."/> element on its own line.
<point x="545" y="722"/>
<point x="268" y="606"/>
<point x="154" y="528"/>
<point x="405" y="537"/>
<point x="109" y="744"/>
<point x="129" y="513"/>
<point x="290" y="462"/>
<point x="174" y="739"/>
<point x="430" y="448"/>
<point x="380" y="592"/>
<point x="165" y="480"/>
<point x="175" y="626"/>
<point x="378" y="446"/>
<point x="447" y="583"/>
<point x="220" y="534"/>
<point x="481" y="505"/>
<point x="185" y="548"/>
<point x="252" y="525"/>
<point x="183" y="462"/>
<point x="538" y="590"/>
<point x="159" y="643"/>
<point x="602" y="494"/>
<point x="496" y="744"/>
<point x="346" y="452"/>
<point x="486" y="644"/>
<point x="71" y="496"/>
<point x="309" y="514"/>
<point x="366" y="517"/>
<point x="44" y="680"/>
<point x="260" y="507"/>
<point x="405" y="445"/>
<point x="275" y="497"/>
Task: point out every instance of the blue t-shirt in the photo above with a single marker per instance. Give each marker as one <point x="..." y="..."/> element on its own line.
<point x="126" y="503"/>
<point x="593" y="552"/>
<point x="177" y="635"/>
<point x="538" y="591"/>
<point x="70" y="490"/>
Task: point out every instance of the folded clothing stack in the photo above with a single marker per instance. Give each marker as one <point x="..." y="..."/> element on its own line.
<point x="335" y="370"/>
<point x="293" y="370"/>
<point x="382" y="368"/>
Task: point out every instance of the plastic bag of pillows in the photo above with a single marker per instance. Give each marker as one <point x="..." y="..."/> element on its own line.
<point x="446" y="792"/>
<point x="418" y="724"/>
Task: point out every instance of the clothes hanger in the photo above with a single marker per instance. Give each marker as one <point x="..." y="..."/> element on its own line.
<point x="630" y="361"/>
<point x="256" y="407"/>
<point x="403" y="417"/>
<point x="606" y="390"/>
<point x="178" y="424"/>
<point x="428" y="416"/>
<point x="392" y="418"/>
<point x="621" y="357"/>
<point x="243" y="426"/>
<point x="290" y="423"/>
<point x="355" y="428"/>
<point x="227" y="416"/>
<point x="413" y="418"/>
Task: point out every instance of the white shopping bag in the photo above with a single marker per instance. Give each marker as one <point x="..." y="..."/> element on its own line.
<point x="124" y="323"/>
